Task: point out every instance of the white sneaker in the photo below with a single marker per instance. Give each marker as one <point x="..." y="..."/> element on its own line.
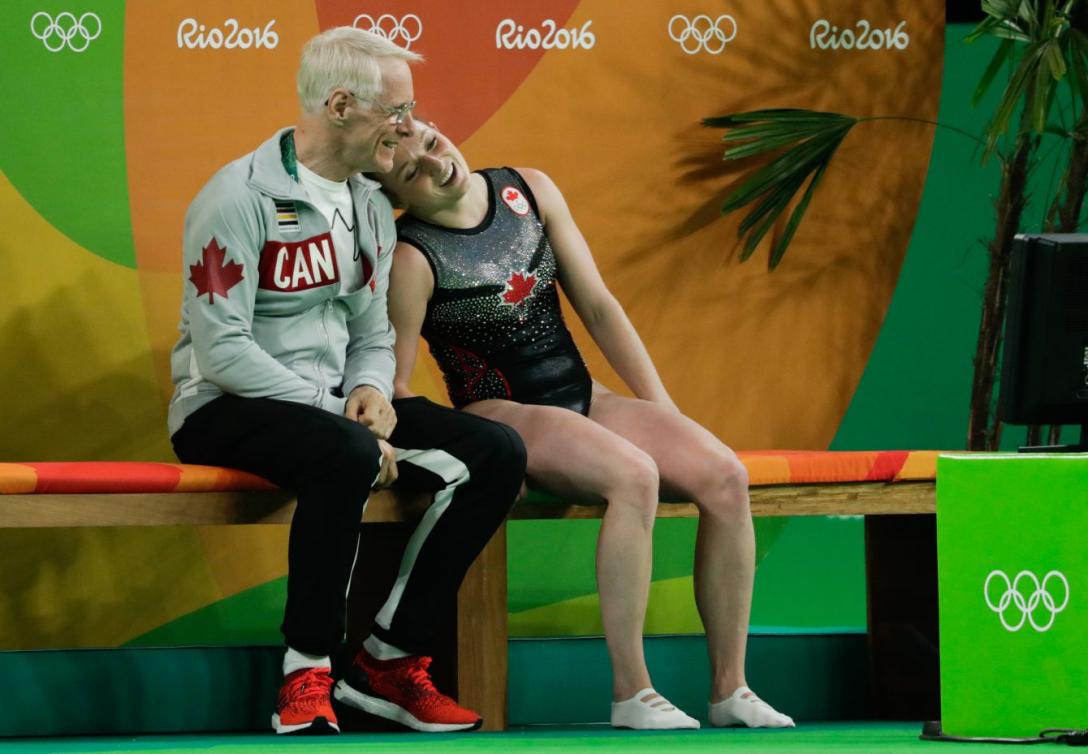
<point x="745" y="708"/>
<point x="648" y="710"/>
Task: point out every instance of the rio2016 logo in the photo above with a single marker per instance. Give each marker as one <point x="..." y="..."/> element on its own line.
<point x="824" y="36"/>
<point x="510" y="35"/>
<point x="196" y="36"/>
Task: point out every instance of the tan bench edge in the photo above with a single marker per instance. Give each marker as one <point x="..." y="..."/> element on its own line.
<point x="212" y="508"/>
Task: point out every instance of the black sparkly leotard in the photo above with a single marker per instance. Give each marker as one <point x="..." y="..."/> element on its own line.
<point x="493" y="323"/>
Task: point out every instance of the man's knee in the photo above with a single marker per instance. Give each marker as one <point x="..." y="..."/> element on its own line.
<point x="504" y="455"/>
<point x="350" y="451"/>
<point x="510" y="454"/>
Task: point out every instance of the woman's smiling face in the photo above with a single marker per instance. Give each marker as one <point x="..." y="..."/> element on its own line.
<point x="428" y="173"/>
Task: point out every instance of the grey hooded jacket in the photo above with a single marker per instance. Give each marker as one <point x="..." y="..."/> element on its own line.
<point x="262" y="314"/>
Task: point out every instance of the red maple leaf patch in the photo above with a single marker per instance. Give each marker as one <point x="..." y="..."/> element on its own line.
<point x="519" y="287"/>
<point x="213" y="274"/>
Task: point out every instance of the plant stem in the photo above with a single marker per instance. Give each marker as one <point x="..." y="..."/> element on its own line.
<point x="934" y="123"/>
<point x="1064" y="215"/>
<point x="1066" y="211"/>
<point x="983" y="430"/>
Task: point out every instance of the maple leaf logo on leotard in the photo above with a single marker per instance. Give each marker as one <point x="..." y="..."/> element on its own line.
<point x="213" y="274"/>
<point x="515" y="200"/>
<point x="475" y="379"/>
<point x="519" y="287"/>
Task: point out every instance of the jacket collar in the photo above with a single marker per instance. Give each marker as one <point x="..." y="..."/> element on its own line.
<point x="269" y="174"/>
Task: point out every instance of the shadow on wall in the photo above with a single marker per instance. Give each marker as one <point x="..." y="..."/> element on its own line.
<point x="86" y="395"/>
<point x="815" y="80"/>
<point x="92" y="587"/>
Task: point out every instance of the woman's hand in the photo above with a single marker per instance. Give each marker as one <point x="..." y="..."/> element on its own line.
<point x="388" y="473"/>
<point x="666" y="401"/>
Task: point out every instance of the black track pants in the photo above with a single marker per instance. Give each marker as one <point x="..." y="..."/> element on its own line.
<point x="473" y="466"/>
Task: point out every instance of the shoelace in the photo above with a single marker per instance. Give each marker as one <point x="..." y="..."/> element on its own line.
<point x="309" y="690"/>
<point x="420" y="678"/>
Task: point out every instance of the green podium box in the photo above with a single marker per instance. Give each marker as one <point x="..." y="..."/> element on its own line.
<point x="1012" y="562"/>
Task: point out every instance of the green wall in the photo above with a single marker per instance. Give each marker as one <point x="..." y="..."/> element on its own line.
<point x="915" y="390"/>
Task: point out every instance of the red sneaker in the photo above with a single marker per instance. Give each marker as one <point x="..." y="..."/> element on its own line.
<point x="304" y="706"/>
<point x="401" y="690"/>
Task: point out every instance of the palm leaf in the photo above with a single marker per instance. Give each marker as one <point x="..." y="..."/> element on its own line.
<point x="1055" y="61"/>
<point x="763" y="217"/>
<point x="1000" y="9"/>
<point x="1007" y="20"/>
<point x="808" y="140"/>
<point x="1040" y="95"/>
<point x="1015" y="91"/>
<point x="764" y="179"/>
<point x="1004" y="52"/>
<point x="765" y="130"/>
<point x="781" y="168"/>
<point x="1028" y="13"/>
<point x="1078" y="80"/>
<point x="1039" y="35"/>
<point x="766" y="144"/>
<point x="779" y="115"/>
<point x="783" y="243"/>
<point x="986" y="28"/>
<point x="782" y="189"/>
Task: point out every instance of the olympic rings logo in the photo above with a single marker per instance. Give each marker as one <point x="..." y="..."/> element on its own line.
<point x="1041" y="598"/>
<point x="701" y="33"/>
<point x="409" y="28"/>
<point x="65" y="30"/>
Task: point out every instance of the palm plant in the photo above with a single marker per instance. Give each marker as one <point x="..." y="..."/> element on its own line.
<point x="1044" y="44"/>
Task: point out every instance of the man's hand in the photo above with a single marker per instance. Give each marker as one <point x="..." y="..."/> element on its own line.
<point x="388" y="473"/>
<point x="370" y="408"/>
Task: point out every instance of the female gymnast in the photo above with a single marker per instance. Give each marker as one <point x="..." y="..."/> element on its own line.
<point x="475" y="271"/>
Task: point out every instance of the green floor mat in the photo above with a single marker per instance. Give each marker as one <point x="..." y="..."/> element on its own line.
<point x="825" y="738"/>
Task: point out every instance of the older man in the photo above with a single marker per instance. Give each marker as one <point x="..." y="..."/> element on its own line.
<point x="285" y="368"/>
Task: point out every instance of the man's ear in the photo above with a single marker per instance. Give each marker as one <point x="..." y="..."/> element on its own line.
<point x="337" y="104"/>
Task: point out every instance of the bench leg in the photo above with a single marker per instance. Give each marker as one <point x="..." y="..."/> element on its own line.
<point x="470" y="652"/>
<point x="901" y="569"/>
<point x="482" y="635"/>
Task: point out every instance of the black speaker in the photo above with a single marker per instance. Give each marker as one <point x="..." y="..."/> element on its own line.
<point x="1044" y="375"/>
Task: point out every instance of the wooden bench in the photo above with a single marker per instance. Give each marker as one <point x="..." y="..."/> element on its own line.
<point x="783" y="484"/>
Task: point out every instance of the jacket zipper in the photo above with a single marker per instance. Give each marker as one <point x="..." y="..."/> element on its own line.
<point x="320" y="372"/>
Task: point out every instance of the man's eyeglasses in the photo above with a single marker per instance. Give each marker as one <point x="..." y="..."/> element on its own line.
<point x="397" y="113"/>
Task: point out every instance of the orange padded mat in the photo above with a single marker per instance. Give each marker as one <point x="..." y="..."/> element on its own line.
<point x="764" y="467"/>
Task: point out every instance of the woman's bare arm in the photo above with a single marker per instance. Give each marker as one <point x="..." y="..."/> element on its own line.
<point x="598" y="309"/>
<point x="411" y="284"/>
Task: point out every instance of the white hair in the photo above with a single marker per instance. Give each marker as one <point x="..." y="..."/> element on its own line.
<point x="345" y="57"/>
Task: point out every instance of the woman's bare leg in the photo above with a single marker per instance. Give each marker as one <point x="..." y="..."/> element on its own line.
<point x="694" y="463"/>
<point x="574" y="457"/>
